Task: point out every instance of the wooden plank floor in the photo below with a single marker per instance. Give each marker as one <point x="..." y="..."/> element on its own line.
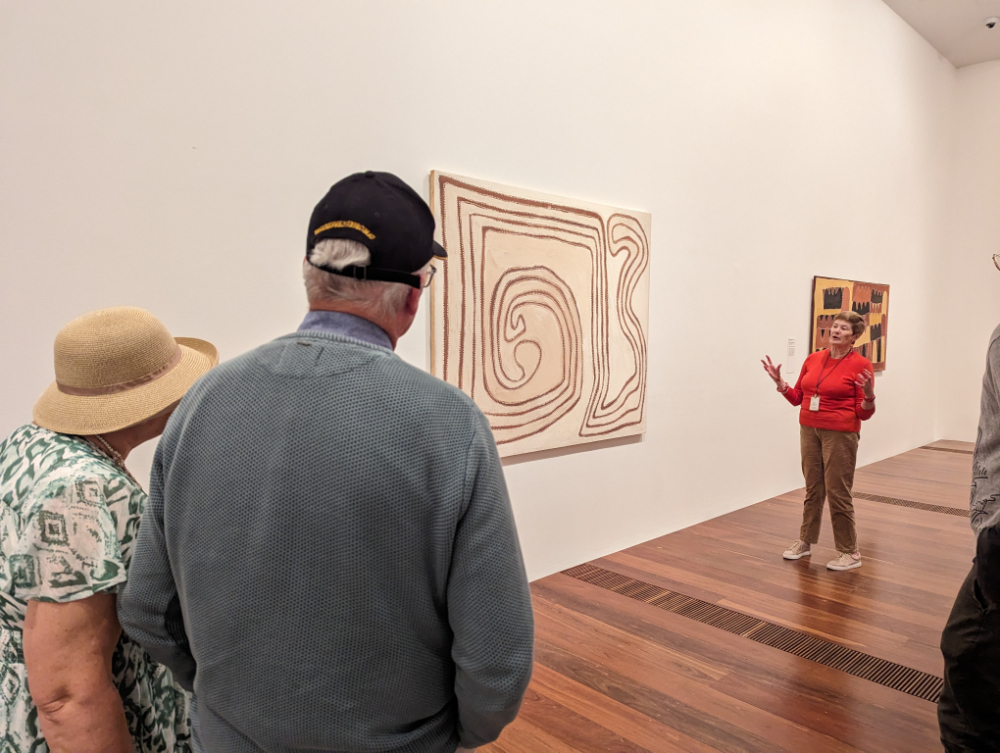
<point x="613" y="673"/>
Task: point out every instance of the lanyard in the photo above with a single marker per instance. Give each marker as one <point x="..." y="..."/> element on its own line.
<point x="821" y="374"/>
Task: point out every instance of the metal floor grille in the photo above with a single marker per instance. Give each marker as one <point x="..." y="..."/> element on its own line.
<point x="946" y="449"/>
<point x="829" y="654"/>
<point x="956" y="511"/>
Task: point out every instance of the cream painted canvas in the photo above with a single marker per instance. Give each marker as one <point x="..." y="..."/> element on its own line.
<point x="541" y="312"/>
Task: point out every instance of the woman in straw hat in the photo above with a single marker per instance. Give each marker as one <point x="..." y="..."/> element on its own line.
<point x="68" y="519"/>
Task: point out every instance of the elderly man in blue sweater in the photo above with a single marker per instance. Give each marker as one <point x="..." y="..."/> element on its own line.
<point x="329" y="557"/>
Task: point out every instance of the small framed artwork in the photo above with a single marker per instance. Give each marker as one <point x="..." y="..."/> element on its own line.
<point x="868" y="299"/>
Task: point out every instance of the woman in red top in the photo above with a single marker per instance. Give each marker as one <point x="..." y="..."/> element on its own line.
<point x="836" y="392"/>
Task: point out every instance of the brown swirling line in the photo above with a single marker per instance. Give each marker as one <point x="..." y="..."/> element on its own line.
<point x="532" y="213"/>
<point x="585" y="235"/>
<point x="535" y="232"/>
<point x="586" y="238"/>
<point x="516" y="289"/>
<point x="626" y="407"/>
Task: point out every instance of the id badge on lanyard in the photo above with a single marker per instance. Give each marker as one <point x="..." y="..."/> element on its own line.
<point x="814" y="401"/>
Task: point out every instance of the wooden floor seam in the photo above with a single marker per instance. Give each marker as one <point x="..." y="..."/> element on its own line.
<point x="959" y="512"/>
<point x="947" y="449"/>
<point x="820" y="650"/>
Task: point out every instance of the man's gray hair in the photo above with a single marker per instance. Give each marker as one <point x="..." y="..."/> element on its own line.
<point x="381" y="298"/>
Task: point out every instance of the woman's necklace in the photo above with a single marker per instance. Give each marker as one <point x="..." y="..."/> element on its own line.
<point x="104" y="447"/>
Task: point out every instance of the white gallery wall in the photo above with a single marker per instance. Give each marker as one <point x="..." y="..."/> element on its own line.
<point x="969" y="299"/>
<point x="169" y="155"/>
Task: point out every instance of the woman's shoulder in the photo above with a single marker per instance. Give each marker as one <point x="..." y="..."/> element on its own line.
<point x="91" y="480"/>
<point x="31" y="442"/>
<point x="38" y="465"/>
<point x="860" y="363"/>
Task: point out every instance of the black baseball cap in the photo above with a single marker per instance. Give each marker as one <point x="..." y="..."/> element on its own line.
<point x="384" y="214"/>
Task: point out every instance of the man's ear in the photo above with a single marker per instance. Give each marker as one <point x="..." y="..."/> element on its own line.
<point x="413" y="301"/>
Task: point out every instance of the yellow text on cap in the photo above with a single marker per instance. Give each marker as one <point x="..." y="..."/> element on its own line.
<point x="346" y="223"/>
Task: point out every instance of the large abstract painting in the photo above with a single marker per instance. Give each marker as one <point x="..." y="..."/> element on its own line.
<point x="541" y="312"/>
<point x="870" y="300"/>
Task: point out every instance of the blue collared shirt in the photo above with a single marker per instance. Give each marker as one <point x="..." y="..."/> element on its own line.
<point x="346" y="325"/>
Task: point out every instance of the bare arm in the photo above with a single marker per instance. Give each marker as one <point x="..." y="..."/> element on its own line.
<point x="67" y="652"/>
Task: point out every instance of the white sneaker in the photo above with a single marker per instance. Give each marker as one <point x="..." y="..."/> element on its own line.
<point x="845" y="562"/>
<point x="797" y="550"/>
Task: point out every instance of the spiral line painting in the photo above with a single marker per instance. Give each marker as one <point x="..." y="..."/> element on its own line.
<point x="541" y="312"/>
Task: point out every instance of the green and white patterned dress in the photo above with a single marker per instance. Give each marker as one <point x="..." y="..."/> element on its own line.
<point x="68" y="521"/>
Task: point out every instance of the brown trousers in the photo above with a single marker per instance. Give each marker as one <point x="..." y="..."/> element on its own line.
<point x="828" y="460"/>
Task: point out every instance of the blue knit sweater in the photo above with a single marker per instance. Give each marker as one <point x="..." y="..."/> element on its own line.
<point x="329" y="557"/>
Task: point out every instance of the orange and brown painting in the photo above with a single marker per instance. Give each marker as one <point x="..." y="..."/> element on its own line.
<point x="540" y="312"/>
<point x="870" y="300"/>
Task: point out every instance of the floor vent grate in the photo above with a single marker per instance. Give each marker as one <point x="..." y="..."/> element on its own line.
<point x="956" y="511"/>
<point x="829" y="654"/>
<point x="946" y="449"/>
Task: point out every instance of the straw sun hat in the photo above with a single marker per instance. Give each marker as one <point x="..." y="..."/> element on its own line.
<point x="117" y="367"/>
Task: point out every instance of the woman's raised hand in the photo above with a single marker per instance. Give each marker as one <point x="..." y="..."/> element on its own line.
<point x="864" y="380"/>
<point x="773" y="371"/>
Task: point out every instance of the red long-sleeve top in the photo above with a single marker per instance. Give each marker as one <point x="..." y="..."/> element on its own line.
<point x="839" y="397"/>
